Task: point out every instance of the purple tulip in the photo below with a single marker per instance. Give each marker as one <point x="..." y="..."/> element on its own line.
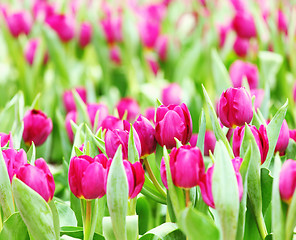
<point x="112" y="123"/>
<point x="68" y="98"/>
<point x="239" y="69"/>
<point x="19" y="23"/>
<point x="31" y="49"/>
<point x="146" y="133"/>
<point x="14" y="160"/>
<point x="85" y="34"/>
<point x="282" y="22"/>
<point x="150" y="113"/>
<point x="131" y="106"/>
<point x="283" y="140"/>
<point x="162" y="47"/>
<point x="241" y="46"/>
<point x="235" y="107"/>
<point x="206" y="182"/>
<point x="260" y="138"/>
<point x="5" y="139"/>
<point x="287" y="181"/>
<point x="149" y="32"/>
<point x="63" y="25"/>
<point x="243" y="24"/>
<point x="87" y="176"/>
<point x="39" y="178"/>
<point x="171" y="94"/>
<point x="172" y="122"/>
<point x="93" y="108"/>
<point x="37" y="127"/>
<point x="70" y="116"/>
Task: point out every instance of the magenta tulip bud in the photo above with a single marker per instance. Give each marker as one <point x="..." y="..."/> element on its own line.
<point x="114" y="138"/>
<point x="87" y="176"/>
<point x="282" y="22"/>
<point x="260" y="138"/>
<point x="63" y="25"/>
<point x="14" y="160"/>
<point x="43" y="9"/>
<point x="209" y="143"/>
<point x="193" y="140"/>
<point x="37" y="127"/>
<point x="112" y="29"/>
<point x="287" y="181"/>
<point x="292" y="134"/>
<point x="146" y="134"/>
<point x="223" y="31"/>
<point x="30" y="51"/>
<point x="5" y="139"/>
<point x="70" y="116"/>
<point x="162" y="47"/>
<point x="131" y="106"/>
<point x="235" y="107"/>
<point x="149" y="32"/>
<point x="112" y="123"/>
<point x="239" y="69"/>
<point x="135" y="177"/>
<point x="150" y="113"/>
<point x="155" y="11"/>
<point x="241" y="46"/>
<point x="93" y="108"/>
<point x="85" y="34"/>
<point x="68" y="98"/>
<point x="163" y="173"/>
<point x="172" y="122"/>
<point x="187" y="166"/>
<point x="259" y="96"/>
<point x="171" y="94"/>
<point x="154" y="67"/>
<point x="243" y="24"/>
<point x="283" y="140"/>
<point x="206" y="182"/>
<point x="39" y="178"/>
<point x="114" y="54"/>
<point x="294" y="92"/>
<point x="19" y="23"/>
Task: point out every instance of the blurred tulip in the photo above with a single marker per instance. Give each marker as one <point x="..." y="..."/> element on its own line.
<point x="149" y="32"/>
<point x="241" y="46"/>
<point x="112" y="29"/>
<point x="162" y="47"/>
<point x="154" y="67"/>
<point x="5" y="139"/>
<point x="130" y="106"/>
<point x="43" y="9"/>
<point x="287" y="181"/>
<point x="150" y="113"/>
<point x="172" y="122"/>
<point x="294" y="92"/>
<point x="146" y="134"/>
<point x="235" y="107"/>
<point x="85" y="34"/>
<point x="193" y="140"/>
<point x="114" y="54"/>
<point x="244" y="25"/>
<point x="163" y="173"/>
<point x="223" y="32"/>
<point x="283" y="139"/>
<point x="93" y="108"/>
<point x="292" y="134"/>
<point x="111" y="123"/>
<point x="259" y="96"/>
<point x="171" y="94"/>
<point x="68" y="98"/>
<point x="239" y="69"/>
<point x="19" y="23"/>
<point x="37" y="127"/>
<point x="30" y="51"/>
<point x="70" y="116"/>
<point x="39" y="178"/>
<point x="282" y="22"/>
<point x="209" y="142"/>
<point x="87" y="176"/>
<point x="14" y="160"/>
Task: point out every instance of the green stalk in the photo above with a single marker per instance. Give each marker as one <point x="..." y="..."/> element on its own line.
<point x="1" y="226"/>
<point x="153" y="178"/>
<point x="87" y="223"/>
<point x="132" y="206"/>
<point x="261" y="226"/>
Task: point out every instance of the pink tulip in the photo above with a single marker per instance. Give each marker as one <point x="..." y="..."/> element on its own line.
<point x="244" y="25"/>
<point x="43" y="9"/>
<point x="292" y="134"/>
<point x="259" y="96"/>
<point x="282" y="22"/>
<point x="68" y="98"/>
<point x="287" y="181"/>
<point x="163" y="173"/>
<point x="70" y="116"/>
<point x="162" y="47"/>
<point x="19" y="23"/>
<point x="112" y="123"/>
<point x="112" y="29"/>
<point x="149" y="32"/>
<point x="5" y="139"/>
<point x="114" y="54"/>
<point x="283" y="140"/>
<point x="171" y="94"/>
<point x="241" y="46"/>
<point x="130" y="106"/>
<point x="93" y="108"/>
<point x="85" y="34"/>
<point x="150" y="113"/>
<point x="30" y="51"/>
<point x="154" y="67"/>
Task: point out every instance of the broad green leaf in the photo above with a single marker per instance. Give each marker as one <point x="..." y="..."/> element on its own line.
<point x="150" y="191"/>
<point x="31" y="154"/>
<point x="266" y="188"/>
<point x="144" y="211"/>
<point x="56" y="219"/>
<point x="201" y="132"/>
<point x="77" y="232"/>
<point x="78" y="139"/>
<point x="117" y="195"/>
<point x="225" y="191"/>
<point x="100" y="144"/>
<point x="102" y="202"/>
<point x="89" y="137"/>
<point x="133" y="155"/>
<point x="33" y="210"/>
<point x="66" y="215"/>
<point x="291" y="150"/>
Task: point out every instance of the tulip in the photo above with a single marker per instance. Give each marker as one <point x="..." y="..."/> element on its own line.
<point x="209" y="142"/>
<point x="193" y="140"/>
<point x="131" y="106"/>
<point x="85" y="34"/>
<point x="287" y="181"/>
<point x="43" y="9"/>
<point x="114" y="54"/>
<point x="241" y="46"/>
<point x="292" y="134"/>
<point x="70" y="116"/>
<point x="282" y="22"/>
<point x="112" y="123"/>
<point x="239" y="69"/>
<point x="154" y="67"/>
<point x="37" y="127"/>
<point x="68" y="98"/>
<point x="19" y="23"/>
<point x="150" y="113"/>
<point x="283" y="140"/>
<point x="243" y="24"/>
<point x="149" y="32"/>
<point x="172" y="122"/>
<point x="39" y="178"/>
<point x="30" y="51"/>
<point x="206" y="182"/>
<point x="259" y="96"/>
<point x="87" y="176"/>
<point x="171" y="94"/>
<point x="162" y="47"/>
<point x="112" y="29"/>
<point x="146" y="134"/>
<point x="294" y="92"/>
<point x="93" y="108"/>
<point x="154" y="11"/>
<point x="260" y="138"/>
<point x="63" y="25"/>
<point x="14" y="160"/>
<point x="5" y="139"/>
<point x="163" y="173"/>
<point x="235" y="107"/>
<point x="223" y="31"/>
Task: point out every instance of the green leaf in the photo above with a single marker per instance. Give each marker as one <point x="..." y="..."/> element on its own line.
<point x="31" y="154"/>
<point x="133" y="155"/>
<point x="56" y="219"/>
<point x="273" y="131"/>
<point x="100" y="144"/>
<point x="216" y="125"/>
<point x="78" y="139"/>
<point x="89" y="137"/>
<point x="201" y="132"/>
<point x="144" y="211"/>
<point x="82" y="116"/>
<point x="291" y="218"/>
<point x="266" y="188"/>
<point x="14" y="228"/>
<point x="225" y="191"/>
<point x="33" y="210"/>
<point x="66" y="215"/>
<point x="117" y="195"/>
<point x="77" y="232"/>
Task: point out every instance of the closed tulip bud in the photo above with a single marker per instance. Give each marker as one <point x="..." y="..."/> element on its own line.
<point x="287" y="181"/>
<point x="135" y="177"/>
<point x="243" y="24"/>
<point x="39" y="178"/>
<point x="149" y="32"/>
<point x="292" y="134"/>
<point x="114" y="54"/>
<point x="93" y="108"/>
<point x="30" y="51"/>
<point x="259" y="96"/>
<point x="112" y="123"/>
<point x="63" y="25"/>
<point x="235" y="107"/>
<point x="87" y="176"/>
<point x="294" y="92"/>
<point x="193" y="140"/>
<point x="239" y="69"/>
<point x="150" y="114"/>
<point x="70" y="116"/>
<point x="37" y="127"/>
<point x="241" y="46"/>
<point x="68" y="98"/>
<point x="172" y="122"/>
<point x="209" y="142"/>
<point x="43" y="9"/>
<point x="5" y="139"/>
<point x="223" y="31"/>
<point x="85" y="34"/>
<point x="19" y="23"/>
<point x="153" y="64"/>
<point x="282" y="22"/>
<point x="260" y="138"/>
<point x="112" y="29"/>
<point x="162" y="47"/>
<point x="130" y="106"/>
<point x="163" y="173"/>
<point x="206" y="182"/>
<point x="186" y="165"/>
<point x="171" y="94"/>
<point x="283" y="140"/>
<point x="14" y="160"/>
<point x="146" y="133"/>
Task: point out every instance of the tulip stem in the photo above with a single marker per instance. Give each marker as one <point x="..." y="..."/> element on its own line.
<point x="1" y="226"/>
<point x="261" y="226"/>
<point x="87" y="223"/>
<point x="153" y="178"/>
<point x="132" y="206"/>
<point x="187" y="195"/>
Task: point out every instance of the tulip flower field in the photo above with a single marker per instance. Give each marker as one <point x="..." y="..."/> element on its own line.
<point x="147" y="119"/>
